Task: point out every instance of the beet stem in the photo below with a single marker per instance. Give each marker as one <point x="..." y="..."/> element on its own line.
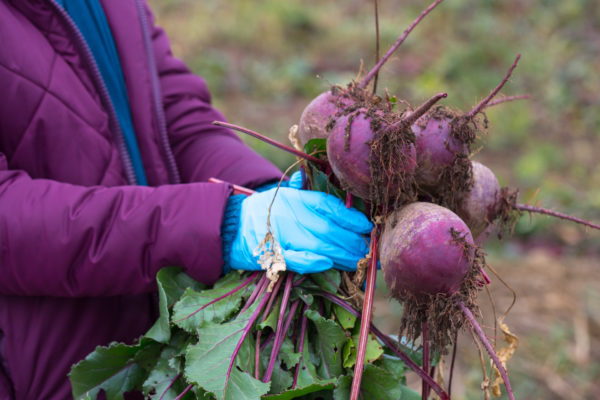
<point x="494" y="92"/>
<point x="247" y="329"/>
<point x="267" y="341"/>
<point x="270" y="141"/>
<point x="301" y="346"/>
<point x="484" y="340"/>
<point x="187" y="389"/>
<point x="389" y="343"/>
<point x="272" y="299"/>
<point x="432" y="374"/>
<point x="539" y="210"/>
<point x="422" y="109"/>
<point x="425" y="387"/>
<point x="169" y="386"/>
<point x="507" y="99"/>
<point x="454" y="347"/>
<point x="259" y="333"/>
<point x="349" y="200"/>
<point x="279" y="337"/>
<point x="300" y="281"/>
<point x="278" y="333"/>
<point x="261" y="286"/>
<point x="377" y="37"/>
<point x="243" y="284"/>
<point x="395" y="46"/>
<point x="257" y="356"/>
<point x="366" y="317"/>
<point x="486" y="278"/>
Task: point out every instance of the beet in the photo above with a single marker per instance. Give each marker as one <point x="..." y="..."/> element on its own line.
<point x="348" y="152"/>
<point x="437" y="146"/>
<point x="481" y="205"/>
<point x="425" y="249"/>
<point x="443" y="139"/>
<point x="318" y="113"/>
<point x="372" y="151"/>
<point x="315" y="117"/>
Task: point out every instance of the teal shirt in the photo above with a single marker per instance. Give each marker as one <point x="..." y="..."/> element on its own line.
<point x="89" y="17"/>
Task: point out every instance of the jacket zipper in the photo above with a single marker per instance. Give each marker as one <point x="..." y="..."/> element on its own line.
<point x="97" y="77"/>
<point x="157" y="98"/>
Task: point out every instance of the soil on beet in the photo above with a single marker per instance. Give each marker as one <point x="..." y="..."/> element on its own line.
<point x="391" y="162"/>
<point x="508" y="214"/>
<point x="457" y="179"/>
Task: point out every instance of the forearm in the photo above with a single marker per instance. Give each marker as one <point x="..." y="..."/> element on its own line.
<point x="63" y="240"/>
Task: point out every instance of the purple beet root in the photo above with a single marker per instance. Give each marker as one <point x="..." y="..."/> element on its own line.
<point x="481" y="205"/>
<point x="318" y="114"/>
<point x="349" y="152"/>
<point x="443" y="138"/>
<point x="437" y="148"/>
<point x="426" y="252"/>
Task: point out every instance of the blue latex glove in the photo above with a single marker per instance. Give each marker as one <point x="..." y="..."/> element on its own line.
<point x="295" y="180"/>
<point x="315" y="230"/>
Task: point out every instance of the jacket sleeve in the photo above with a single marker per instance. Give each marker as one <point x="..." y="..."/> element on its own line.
<point x="58" y="239"/>
<point x="201" y="149"/>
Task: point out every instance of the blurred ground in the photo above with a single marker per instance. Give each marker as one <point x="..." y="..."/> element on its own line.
<point x="261" y="60"/>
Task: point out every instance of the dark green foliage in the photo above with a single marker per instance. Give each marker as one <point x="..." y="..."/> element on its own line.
<point x="180" y="349"/>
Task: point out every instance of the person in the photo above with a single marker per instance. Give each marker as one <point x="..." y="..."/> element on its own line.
<point x="106" y="146"/>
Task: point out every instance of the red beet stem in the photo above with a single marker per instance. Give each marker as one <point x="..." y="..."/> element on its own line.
<point x="507" y="99"/>
<point x="169" y="386"/>
<point x="422" y="109"/>
<point x="432" y="374"/>
<point x="376" y="10"/>
<point x="389" y="342"/>
<point x="365" y="320"/>
<point x="267" y="341"/>
<point x="243" y="284"/>
<point x="425" y="386"/>
<point x="395" y="46"/>
<point x="494" y="92"/>
<point x="301" y="345"/>
<point x="349" y="200"/>
<point x="257" y="356"/>
<point x="247" y="328"/>
<point x="454" y="347"/>
<point x="300" y="281"/>
<point x="270" y="141"/>
<point x="279" y="337"/>
<point x="539" y="210"/>
<point x="187" y="389"/>
<point x="486" y="343"/>
<point x="287" y="290"/>
<point x="261" y="286"/>
<point x="259" y="333"/>
<point x="273" y="297"/>
<point x="486" y="278"/>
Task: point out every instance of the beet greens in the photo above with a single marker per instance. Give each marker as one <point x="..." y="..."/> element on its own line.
<point x="211" y="342"/>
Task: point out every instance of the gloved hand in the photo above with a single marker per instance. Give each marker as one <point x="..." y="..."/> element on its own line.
<point x="296" y="180"/>
<point x="315" y="230"/>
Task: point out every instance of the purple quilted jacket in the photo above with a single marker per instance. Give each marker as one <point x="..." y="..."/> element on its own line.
<point x="79" y="246"/>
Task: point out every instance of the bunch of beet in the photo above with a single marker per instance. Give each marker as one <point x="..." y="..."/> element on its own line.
<point x="411" y="171"/>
